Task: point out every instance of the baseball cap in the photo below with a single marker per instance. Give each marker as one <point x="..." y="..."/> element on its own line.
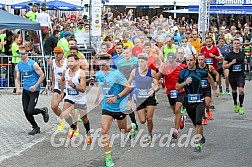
<point x="171" y="56"/>
<point x="58" y="49"/>
<point x="68" y="33"/>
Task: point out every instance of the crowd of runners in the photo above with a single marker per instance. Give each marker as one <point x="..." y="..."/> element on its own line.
<point x="136" y="60"/>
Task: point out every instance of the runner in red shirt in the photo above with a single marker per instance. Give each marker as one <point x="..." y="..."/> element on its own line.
<point x="153" y="61"/>
<point x="138" y="48"/>
<point x="170" y="71"/>
<point x="212" y="53"/>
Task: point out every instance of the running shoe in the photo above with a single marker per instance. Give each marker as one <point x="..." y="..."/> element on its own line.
<point x="228" y="92"/>
<point x="182" y="122"/>
<point x="209" y="115"/>
<point x="77" y="132"/>
<point x="183" y="110"/>
<point x="89" y="140"/>
<point x="236" y="108"/>
<point x="241" y="110"/>
<point x="204" y="121"/>
<point x="79" y="119"/>
<point x="212" y="106"/>
<point x="132" y="132"/>
<point x="34" y="131"/>
<point x="73" y="132"/>
<point x="198" y="148"/>
<point x="222" y="92"/>
<point x="175" y="134"/>
<point x="149" y="139"/>
<point x="203" y="140"/>
<point x="136" y="127"/>
<point x="109" y="162"/>
<point x="61" y="125"/>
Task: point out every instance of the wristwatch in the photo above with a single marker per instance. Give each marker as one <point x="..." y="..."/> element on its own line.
<point x="118" y="97"/>
<point x="74" y="86"/>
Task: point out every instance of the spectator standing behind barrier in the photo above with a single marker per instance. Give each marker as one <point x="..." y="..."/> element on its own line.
<point x="63" y="43"/>
<point x="15" y="58"/>
<point x="80" y="28"/>
<point x="51" y="42"/>
<point x="66" y="28"/>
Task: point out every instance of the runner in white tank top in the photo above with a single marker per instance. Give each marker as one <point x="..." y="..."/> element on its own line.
<point x="57" y="73"/>
<point x="74" y="80"/>
<point x="58" y="65"/>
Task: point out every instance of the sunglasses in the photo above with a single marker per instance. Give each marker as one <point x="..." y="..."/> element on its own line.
<point x="102" y="65"/>
<point x="22" y="53"/>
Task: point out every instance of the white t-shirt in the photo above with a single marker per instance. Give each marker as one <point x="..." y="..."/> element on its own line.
<point x="189" y="50"/>
<point x="44" y="19"/>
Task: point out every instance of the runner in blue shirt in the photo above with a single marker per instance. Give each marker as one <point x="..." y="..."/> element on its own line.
<point x="114" y="87"/>
<point x="33" y="76"/>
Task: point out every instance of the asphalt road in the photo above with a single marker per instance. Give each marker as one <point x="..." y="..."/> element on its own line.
<point x="228" y="141"/>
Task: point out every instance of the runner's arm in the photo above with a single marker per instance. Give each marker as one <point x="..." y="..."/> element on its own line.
<point x="62" y="81"/>
<point x="213" y="71"/>
<point x="82" y="87"/>
<point x="226" y="65"/>
<point x="99" y="90"/>
<point x="132" y="76"/>
<point x="17" y="80"/>
<point x="126" y="89"/>
<point x="154" y="75"/>
<point x="218" y="58"/>
<point x="51" y="71"/>
<point x="41" y="74"/>
<point x="180" y="85"/>
<point x="211" y="81"/>
<point x="161" y="54"/>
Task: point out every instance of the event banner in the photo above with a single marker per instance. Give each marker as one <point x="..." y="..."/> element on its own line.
<point x="231" y="2"/>
<point x="96" y="18"/>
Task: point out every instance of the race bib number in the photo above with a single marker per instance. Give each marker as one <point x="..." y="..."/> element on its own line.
<point x="72" y="92"/>
<point x="237" y="67"/>
<point x="142" y="93"/>
<point x="193" y="98"/>
<point x="209" y="61"/>
<point x="106" y="92"/>
<point x="204" y="83"/>
<point x="173" y="94"/>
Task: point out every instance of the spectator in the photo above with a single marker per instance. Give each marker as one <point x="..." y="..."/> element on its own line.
<point x="51" y="42"/>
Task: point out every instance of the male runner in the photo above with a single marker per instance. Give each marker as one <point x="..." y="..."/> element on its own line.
<point x="58" y="65"/>
<point x="234" y="61"/>
<point x="190" y="79"/>
<point x="170" y="71"/>
<point x="206" y="88"/>
<point x="33" y="76"/>
<point x="74" y="80"/>
<point x="114" y="87"/>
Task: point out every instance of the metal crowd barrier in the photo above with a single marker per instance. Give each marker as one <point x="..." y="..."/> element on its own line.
<point x="7" y="69"/>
